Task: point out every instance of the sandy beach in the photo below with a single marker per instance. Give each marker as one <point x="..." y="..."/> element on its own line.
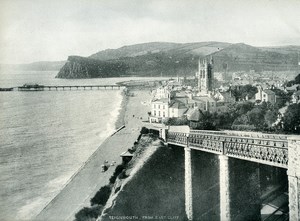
<point x="83" y="186"/>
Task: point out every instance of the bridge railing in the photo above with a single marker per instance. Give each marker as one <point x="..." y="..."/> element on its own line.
<point x="177" y="138"/>
<point x="265" y="149"/>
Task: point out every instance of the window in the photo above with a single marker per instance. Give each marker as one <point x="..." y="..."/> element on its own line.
<point x="158" y="106"/>
<point x="154" y="113"/>
<point x="159" y="113"/>
<point x="154" y="106"/>
<point x="163" y="106"/>
<point x="164" y="114"/>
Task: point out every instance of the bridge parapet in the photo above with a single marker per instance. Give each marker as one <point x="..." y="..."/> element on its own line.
<point x="242" y="134"/>
<point x="261" y="148"/>
<point x="263" y="151"/>
<point x="177" y="138"/>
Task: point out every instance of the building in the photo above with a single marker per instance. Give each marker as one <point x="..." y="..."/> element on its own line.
<point x="224" y="97"/>
<point x="159" y="110"/>
<point x="164" y="108"/>
<point x="205" y="103"/>
<point x="162" y="92"/>
<point x="205" y="76"/>
<point x="177" y="109"/>
<point x="266" y="95"/>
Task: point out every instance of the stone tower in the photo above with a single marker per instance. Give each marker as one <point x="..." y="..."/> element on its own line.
<point x="205" y="76"/>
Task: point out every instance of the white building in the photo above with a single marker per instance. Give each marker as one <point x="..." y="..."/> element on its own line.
<point x="163" y="108"/>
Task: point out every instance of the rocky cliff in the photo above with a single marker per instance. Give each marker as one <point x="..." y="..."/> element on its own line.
<point x="81" y="67"/>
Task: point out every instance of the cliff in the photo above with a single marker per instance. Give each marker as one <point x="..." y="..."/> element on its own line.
<point x="154" y="175"/>
<point x="81" y="67"/>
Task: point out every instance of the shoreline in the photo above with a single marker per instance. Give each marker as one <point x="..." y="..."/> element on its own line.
<point x="119" y="124"/>
<point x="88" y="179"/>
<point x="122" y="111"/>
<point x="79" y="170"/>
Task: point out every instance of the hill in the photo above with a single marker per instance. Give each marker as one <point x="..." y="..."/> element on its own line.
<point x="171" y="59"/>
<point x="242" y="57"/>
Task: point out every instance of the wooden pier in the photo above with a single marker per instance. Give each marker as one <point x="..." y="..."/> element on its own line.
<point x="36" y="87"/>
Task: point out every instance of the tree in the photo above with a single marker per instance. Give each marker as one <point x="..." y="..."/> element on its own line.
<point x="242" y="120"/>
<point x="256" y="117"/>
<point x="270" y="117"/>
<point x="88" y="213"/>
<point x="101" y="196"/>
<point x="176" y="121"/>
<point x="295" y="81"/>
<point x="206" y="122"/>
<point x="243" y="108"/>
<point x="244" y="91"/>
<point x="291" y="119"/>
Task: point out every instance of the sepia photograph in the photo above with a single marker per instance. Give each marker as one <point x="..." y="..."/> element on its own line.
<point x="150" y="110"/>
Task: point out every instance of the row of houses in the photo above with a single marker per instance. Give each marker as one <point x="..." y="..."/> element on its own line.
<point x="179" y="103"/>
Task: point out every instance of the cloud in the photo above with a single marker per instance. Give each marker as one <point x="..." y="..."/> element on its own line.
<point x="52" y="30"/>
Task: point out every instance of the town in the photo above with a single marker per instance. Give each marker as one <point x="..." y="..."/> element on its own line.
<point x="243" y="101"/>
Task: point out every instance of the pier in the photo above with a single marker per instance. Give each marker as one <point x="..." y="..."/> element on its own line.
<point x="37" y="87"/>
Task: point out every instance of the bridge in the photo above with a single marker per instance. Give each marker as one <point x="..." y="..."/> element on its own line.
<point x="280" y="151"/>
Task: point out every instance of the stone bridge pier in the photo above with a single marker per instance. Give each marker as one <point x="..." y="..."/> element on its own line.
<point x="293" y="173"/>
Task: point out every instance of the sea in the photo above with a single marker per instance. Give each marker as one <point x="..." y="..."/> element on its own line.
<point x="46" y="136"/>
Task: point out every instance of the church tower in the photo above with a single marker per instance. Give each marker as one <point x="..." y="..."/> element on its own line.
<point x="205" y="76"/>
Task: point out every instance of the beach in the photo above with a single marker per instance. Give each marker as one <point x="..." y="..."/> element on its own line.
<point x="89" y="179"/>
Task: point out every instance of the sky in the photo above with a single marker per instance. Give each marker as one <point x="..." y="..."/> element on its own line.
<point x="44" y="30"/>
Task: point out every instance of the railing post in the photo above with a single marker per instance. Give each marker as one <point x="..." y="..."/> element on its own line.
<point x="224" y="188"/>
<point x="293" y="173"/>
<point x="188" y="181"/>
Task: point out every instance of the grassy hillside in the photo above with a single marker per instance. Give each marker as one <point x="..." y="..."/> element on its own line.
<point x="171" y="59"/>
<point x="242" y="57"/>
